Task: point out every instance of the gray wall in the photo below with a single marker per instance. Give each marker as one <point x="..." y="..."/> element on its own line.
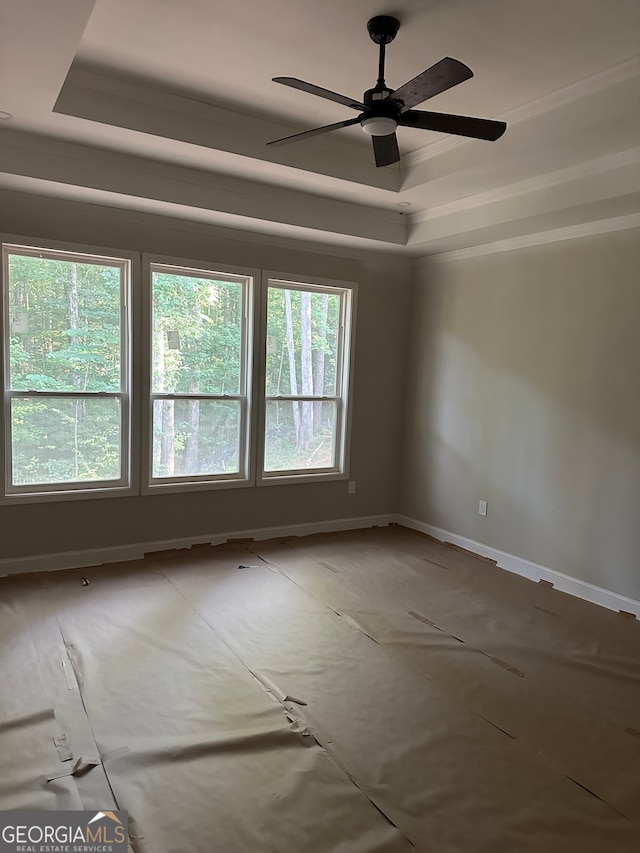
<point x="378" y="393"/>
<point x="525" y="392"/>
<point x="521" y="381"/>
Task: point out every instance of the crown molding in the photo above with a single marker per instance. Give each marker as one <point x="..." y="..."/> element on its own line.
<point x="588" y="169"/>
<point x="67" y="200"/>
<point x="541" y="238"/>
<point x="567" y="94"/>
<point x="129" y="176"/>
<point x="101" y="96"/>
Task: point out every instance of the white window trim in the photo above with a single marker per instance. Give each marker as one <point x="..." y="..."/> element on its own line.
<point x="127" y="485"/>
<point x="246" y="476"/>
<point x="347" y="348"/>
<point x="137" y="334"/>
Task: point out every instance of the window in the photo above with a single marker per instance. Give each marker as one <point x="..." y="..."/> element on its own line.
<point x="121" y="378"/>
<point x="66" y="371"/>
<point x="199" y="417"/>
<point x="308" y="330"/>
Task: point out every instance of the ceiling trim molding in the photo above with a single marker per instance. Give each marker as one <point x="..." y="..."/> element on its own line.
<point x="74" y="164"/>
<point x="541" y="238"/>
<point x="112" y="101"/>
<point x="567" y="94"/>
<point x="589" y="169"/>
<point x="197" y="222"/>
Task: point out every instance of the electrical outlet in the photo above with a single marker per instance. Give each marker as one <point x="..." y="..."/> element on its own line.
<point x="352" y="487"/>
<point x="482" y="508"/>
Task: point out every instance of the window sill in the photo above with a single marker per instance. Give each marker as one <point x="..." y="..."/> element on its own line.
<point x="307" y="477"/>
<point x="68" y="495"/>
<point x="195" y="486"/>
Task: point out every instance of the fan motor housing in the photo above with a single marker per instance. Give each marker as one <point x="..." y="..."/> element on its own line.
<point x="379" y="104"/>
<point x="383" y="28"/>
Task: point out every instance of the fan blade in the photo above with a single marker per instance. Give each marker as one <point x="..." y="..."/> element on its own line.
<point x="476" y="128"/>
<point x="440" y="77"/>
<point x="385" y="149"/>
<point x="315" y="132"/>
<point x="320" y="92"/>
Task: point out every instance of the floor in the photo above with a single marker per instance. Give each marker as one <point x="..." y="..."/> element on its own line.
<point x="364" y="692"/>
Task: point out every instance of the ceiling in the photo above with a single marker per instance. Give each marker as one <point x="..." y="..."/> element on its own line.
<point x="166" y="106"/>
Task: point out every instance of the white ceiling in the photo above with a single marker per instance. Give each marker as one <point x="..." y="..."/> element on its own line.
<point x="167" y="106"/>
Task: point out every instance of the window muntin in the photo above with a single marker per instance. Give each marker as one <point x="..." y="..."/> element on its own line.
<point x="66" y="357"/>
<point x="67" y="373"/>
<point x="306" y="378"/>
<point x="199" y="376"/>
<point x="56" y="439"/>
<point x="285" y="421"/>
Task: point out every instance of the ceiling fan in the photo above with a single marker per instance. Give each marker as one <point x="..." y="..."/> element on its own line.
<point x="383" y="110"/>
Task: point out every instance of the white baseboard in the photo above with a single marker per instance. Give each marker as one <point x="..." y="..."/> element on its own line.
<point x="136" y="551"/>
<point x="533" y="571"/>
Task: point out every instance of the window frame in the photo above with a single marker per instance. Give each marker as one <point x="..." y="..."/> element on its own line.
<point x="82" y="490"/>
<point x="207" y="482"/>
<point x="136" y="335"/>
<point x="344" y="378"/>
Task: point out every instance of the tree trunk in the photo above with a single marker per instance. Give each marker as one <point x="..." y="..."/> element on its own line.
<point x="191" y="456"/>
<point x="167" y="449"/>
<point x="73" y="302"/>
<point x="318" y="361"/>
<point x="306" y="436"/>
<point x="73" y="322"/>
<point x="293" y="381"/>
<point x="192" y="449"/>
<point x="163" y="453"/>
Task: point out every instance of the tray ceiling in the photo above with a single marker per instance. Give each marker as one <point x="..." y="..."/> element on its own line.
<point x="167" y="107"/>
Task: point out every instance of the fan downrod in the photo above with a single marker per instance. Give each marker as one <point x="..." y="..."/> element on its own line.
<point x="383" y="29"/>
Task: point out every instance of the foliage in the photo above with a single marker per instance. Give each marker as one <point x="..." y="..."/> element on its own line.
<point x="66" y="333"/>
<point x="300" y="434"/>
<point x="197" y="350"/>
<point x="65" y="336"/>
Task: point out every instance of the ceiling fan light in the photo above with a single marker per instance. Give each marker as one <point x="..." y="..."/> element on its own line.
<point x="379" y="125"/>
